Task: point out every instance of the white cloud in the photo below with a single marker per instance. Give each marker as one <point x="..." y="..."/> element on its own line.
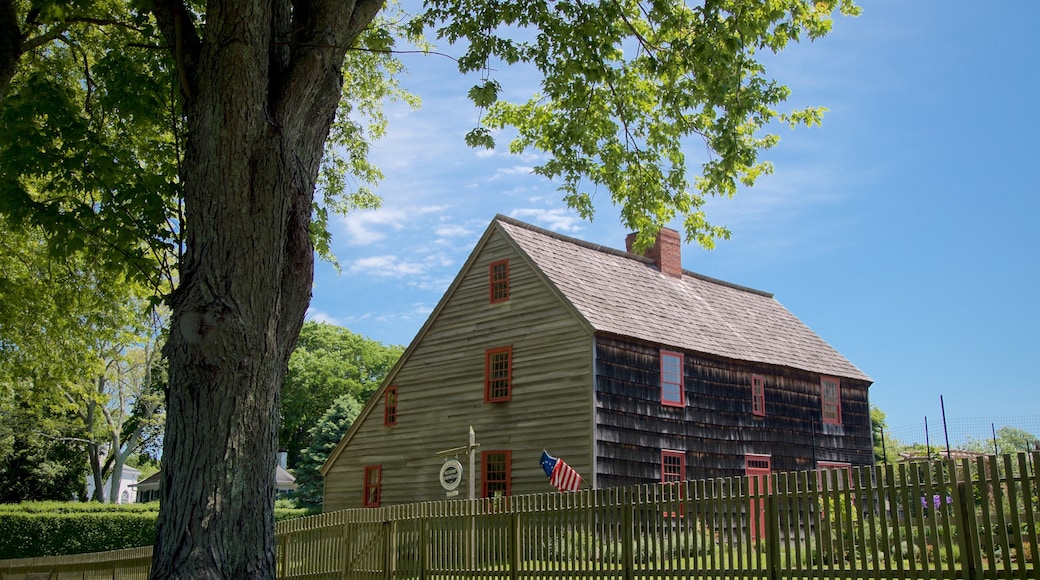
<point x="319" y="316"/>
<point x="510" y="171"/>
<point x="370" y="226"/>
<point x="387" y="267"/>
<point x="558" y="220"/>
<point x="452" y="231"/>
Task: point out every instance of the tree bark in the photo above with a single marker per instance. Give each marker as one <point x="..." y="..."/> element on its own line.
<point x="261" y="84"/>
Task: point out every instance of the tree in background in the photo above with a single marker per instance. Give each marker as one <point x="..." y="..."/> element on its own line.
<point x="59" y="314"/>
<point x="253" y="92"/>
<point x="122" y="406"/>
<point x="886" y="447"/>
<point x="324" y="436"/>
<point x="42" y="456"/>
<point x="1008" y="440"/>
<point x="329" y="362"/>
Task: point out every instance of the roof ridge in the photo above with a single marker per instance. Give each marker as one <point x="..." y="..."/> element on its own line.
<point x="623" y="254"/>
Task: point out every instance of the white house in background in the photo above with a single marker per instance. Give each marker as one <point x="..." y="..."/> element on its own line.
<point x="284" y="482"/>
<point x="127" y="486"/>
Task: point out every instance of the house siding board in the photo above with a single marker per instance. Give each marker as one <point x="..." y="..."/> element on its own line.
<point x="717" y="427"/>
<point x="441" y="391"/>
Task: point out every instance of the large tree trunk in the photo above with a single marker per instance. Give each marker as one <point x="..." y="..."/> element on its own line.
<point x="261" y="86"/>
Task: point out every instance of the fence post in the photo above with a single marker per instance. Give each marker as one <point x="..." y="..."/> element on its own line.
<point x="514" y="545"/>
<point x="424" y="546"/>
<point x="772" y="533"/>
<point x="389" y="548"/>
<point x="964" y="499"/>
<point x="627" y="536"/>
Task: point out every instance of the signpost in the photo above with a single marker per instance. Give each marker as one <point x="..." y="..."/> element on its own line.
<point x="451" y="471"/>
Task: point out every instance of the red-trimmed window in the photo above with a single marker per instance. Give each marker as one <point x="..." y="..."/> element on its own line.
<point x="494" y="477"/>
<point x="673" y="470"/>
<point x="672" y="379"/>
<point x="390" y="407"/>
<point x="758" y="396"/>
<point x="498" y="374"/>
<point x="673" y="466"/>
<point x="830" y="398"/>
<point x="373" y="485"/>
<point x="498" y="276"/>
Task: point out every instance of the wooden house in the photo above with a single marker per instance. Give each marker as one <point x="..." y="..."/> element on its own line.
<point x="626" y="366"/>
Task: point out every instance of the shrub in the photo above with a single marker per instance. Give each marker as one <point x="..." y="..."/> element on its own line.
<point x="32" y="529"/>
<point x="32" y="534"/>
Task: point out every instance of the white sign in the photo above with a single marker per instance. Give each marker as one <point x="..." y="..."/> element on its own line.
<point x="451" y="474"/>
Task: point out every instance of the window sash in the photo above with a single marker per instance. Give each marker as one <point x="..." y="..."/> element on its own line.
<point x="672" y="391"/>
<point x="495" y="473"/>
<point x="830" y="400"/>
<point x="498" y="374"/>
<point x="498" y="281"/>
<point x="390" y="407"/>
<point x="673" y="466"/>
<point x="758" y="396"/>
<point x="373" y="485"/>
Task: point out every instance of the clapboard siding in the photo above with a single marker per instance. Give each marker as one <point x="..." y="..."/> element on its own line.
<point x="441" y="390"/>
<point x="716" y="428"/>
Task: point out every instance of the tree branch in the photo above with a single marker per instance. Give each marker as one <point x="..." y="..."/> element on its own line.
<point x="178" y="28"/>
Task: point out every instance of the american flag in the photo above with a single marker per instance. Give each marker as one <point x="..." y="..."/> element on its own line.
<point x="561" y="475"/>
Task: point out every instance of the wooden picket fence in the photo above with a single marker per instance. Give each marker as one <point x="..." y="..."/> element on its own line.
<point x="941" y="519"/>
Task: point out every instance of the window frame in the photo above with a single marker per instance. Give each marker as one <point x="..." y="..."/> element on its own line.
<point x="828" y="403"/>
<point x="758" y="396"/>
<point x="390" y="410"/>
<point x="369" y="487"/>
<point x="681" y="402"/>
<point x="508" y="380"/>
<point x="671" y="477"/>
<point x="507" y="478"/>
<point x="498" y="287"/>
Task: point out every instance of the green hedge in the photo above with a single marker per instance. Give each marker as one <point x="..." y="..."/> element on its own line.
<point x="27" y="535"/>
<point x="34" y="529"/>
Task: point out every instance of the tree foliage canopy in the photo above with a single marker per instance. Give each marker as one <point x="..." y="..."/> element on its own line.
<point x="329" y="362"/>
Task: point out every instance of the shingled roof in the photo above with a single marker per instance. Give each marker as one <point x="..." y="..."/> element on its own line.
<point x="624" y="294"/>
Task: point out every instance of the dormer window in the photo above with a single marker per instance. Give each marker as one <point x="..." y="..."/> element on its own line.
<point x="498" y="276"/>
<point x="672" y="379"/>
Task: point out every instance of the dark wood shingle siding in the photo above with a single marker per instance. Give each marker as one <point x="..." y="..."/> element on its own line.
<point x="717" y="427"/>
<point x="441" y="391"/>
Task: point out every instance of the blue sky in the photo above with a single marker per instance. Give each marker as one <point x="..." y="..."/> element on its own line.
<point x="901" y="231"/>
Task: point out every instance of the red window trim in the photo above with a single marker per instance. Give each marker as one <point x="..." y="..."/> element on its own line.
<point x="835" y="405"/>
<point x="484" y="481"/>
<point x="369" y="499"/>
<point x="682" y="379"/>
<point x="758" y="396"/>
<point x="488" y="355"/>
<point x="501" y="284"/>
<point x="390" y="407"/>
<point x="672" y="477"/>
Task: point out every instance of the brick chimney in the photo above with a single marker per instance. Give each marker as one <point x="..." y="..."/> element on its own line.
<point x="666" y="251"/>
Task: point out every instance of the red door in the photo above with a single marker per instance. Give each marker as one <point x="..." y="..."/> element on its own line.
<point x="757" y="469"/>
